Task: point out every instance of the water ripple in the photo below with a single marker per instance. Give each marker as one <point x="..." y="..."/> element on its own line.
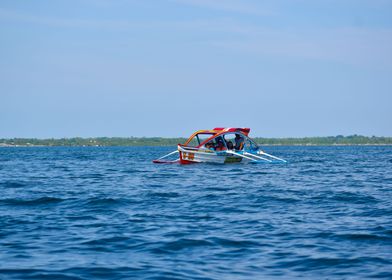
<point x="109" y="213"/>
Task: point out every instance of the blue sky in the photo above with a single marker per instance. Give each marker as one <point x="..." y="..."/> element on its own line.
<point x="166" y="68"/>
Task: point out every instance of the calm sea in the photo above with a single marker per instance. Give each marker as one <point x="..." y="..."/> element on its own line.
<point x="109" y="213"/>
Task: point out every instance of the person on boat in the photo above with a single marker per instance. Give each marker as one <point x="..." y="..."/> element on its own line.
<point x="239" y="142"/>
<point x="220" y="146"/>
<point x="210" y="145"/>
<point x="229" y="145"/>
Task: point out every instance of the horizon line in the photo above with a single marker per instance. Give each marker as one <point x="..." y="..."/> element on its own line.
<point x="173" y="137"/>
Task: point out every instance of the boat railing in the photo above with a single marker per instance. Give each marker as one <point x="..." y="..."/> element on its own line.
<point x="188" y="147"/>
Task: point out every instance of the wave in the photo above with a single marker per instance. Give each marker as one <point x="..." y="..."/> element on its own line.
<point x="367" y="237"/>
<point x="107" y="202"/>
<point x="73" y="273"/>
<point x="184" y="243"/>
<point x="162" y="194"/>
<point x="233" y="243"/>
<point x="304" y="263"/>
<point x="34" y="202"/>
<point x="345" y="196"/>
<point x="13" y="184"/>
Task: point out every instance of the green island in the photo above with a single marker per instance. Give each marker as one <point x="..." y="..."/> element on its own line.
<point x="161" y="141"/>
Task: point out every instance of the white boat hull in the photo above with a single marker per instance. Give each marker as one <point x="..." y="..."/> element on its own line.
<point x="195" y="155"/>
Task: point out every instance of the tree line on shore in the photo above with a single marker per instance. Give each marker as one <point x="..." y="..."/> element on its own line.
<point x="160" y="141"/>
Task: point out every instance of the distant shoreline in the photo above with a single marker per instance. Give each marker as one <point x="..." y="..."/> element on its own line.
<point x="264" y="145"/>
<point x="352" y="140"/>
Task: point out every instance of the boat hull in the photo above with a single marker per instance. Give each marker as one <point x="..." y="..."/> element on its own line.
<point x="190" y="155"/>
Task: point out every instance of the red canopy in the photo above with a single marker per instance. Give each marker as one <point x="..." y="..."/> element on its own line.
<point x="233" y="129"/>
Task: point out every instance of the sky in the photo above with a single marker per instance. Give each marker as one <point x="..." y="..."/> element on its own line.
<point x="295" y="68"/>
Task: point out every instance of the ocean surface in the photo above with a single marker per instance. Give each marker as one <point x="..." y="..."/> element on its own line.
<point x="110" y="213"/>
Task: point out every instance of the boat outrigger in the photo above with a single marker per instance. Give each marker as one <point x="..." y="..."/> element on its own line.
<point x="220" y="145"/>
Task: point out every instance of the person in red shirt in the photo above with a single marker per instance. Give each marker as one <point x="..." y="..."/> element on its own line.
<point x="220" y="146"/>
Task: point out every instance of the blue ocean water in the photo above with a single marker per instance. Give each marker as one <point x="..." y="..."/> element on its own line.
<point x="109" y="213"/>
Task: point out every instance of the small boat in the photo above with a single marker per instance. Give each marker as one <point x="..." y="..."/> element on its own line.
<point x="220" y="145"/>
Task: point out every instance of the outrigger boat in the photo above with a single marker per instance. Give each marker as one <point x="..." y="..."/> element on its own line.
<point x="220" y="145"/>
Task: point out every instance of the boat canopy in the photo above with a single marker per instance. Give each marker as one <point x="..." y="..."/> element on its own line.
<point x="233" y="129"/>
<point x="200" y="137"/>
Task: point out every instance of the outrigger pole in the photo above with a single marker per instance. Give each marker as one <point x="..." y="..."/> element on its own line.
<point x="240" y="155"/>
<point x="264" y="153"/>
<point x="249" y="156"/>
<point x="259" y="157"/>
<point x="169" y="154"/>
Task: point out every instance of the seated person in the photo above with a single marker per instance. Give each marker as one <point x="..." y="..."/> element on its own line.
<point x="220" y="146"/>
<point x="239" y="142"/>
<point x="209" y="145"/>
<point x="229" y="145"/>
